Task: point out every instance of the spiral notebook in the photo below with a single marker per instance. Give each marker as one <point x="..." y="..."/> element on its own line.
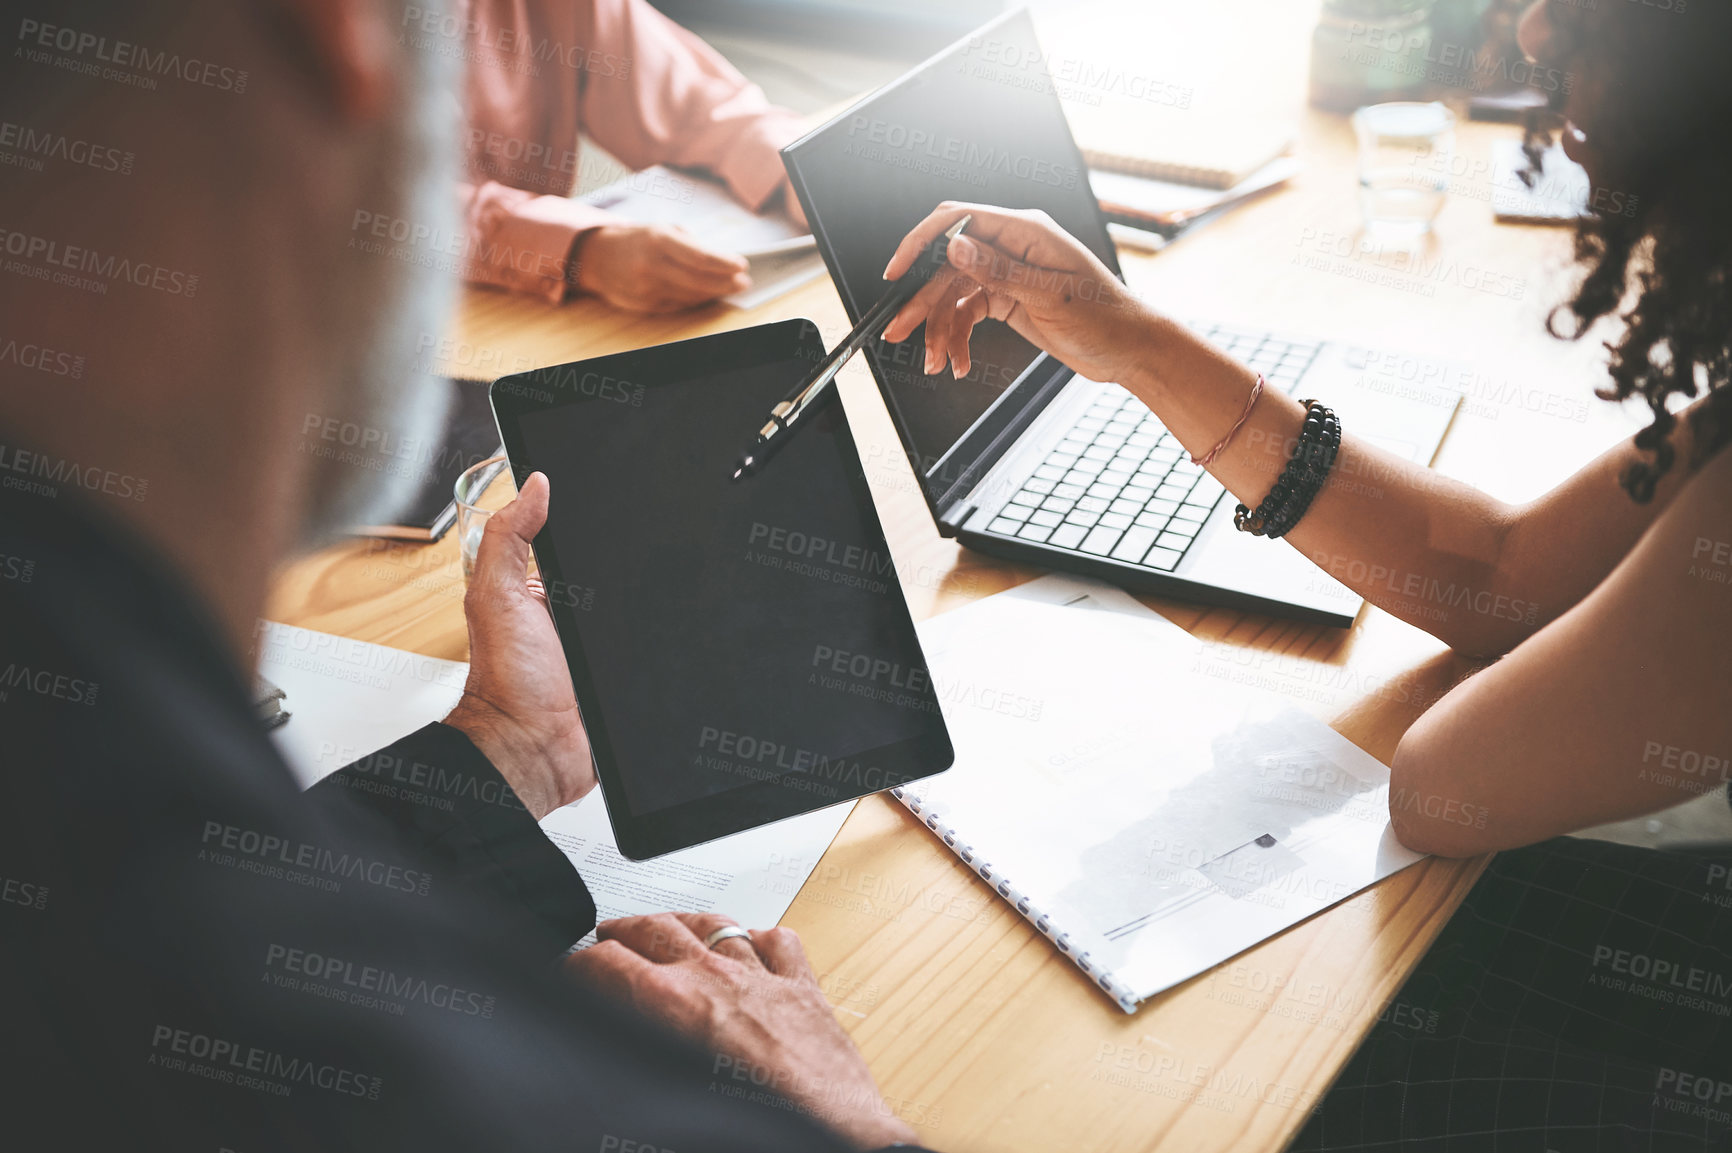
<point x="1123" y="788"/>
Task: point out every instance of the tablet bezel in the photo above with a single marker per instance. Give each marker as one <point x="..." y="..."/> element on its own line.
<point x="653" y="834"/>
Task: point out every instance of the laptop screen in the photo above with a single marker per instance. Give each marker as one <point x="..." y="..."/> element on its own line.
<point x="981" y="123"/>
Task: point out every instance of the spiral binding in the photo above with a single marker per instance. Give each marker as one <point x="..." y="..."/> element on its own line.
<point x="1018" y="901"/>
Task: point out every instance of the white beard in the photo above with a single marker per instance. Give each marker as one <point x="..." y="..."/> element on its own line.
<point x="396" y="306"/>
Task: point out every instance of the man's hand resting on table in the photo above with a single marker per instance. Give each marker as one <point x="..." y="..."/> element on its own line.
<point x="517" y="705"/>
<point x="755" y="1004"/>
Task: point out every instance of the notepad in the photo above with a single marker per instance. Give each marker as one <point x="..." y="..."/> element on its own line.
<point x="1143" y="202"/>
<point x="1206" y="151"/>
<point x="1149" y="812"/>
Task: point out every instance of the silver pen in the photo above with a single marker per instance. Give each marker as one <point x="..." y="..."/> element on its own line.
<point x="786" y="416"/>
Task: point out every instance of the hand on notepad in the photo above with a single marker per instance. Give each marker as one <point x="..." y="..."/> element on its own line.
<point x="653" y="268"/>
<point x="517" y="706"/>
<point x="1023" y="269"/>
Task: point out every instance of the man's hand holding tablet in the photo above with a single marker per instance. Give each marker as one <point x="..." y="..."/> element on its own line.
<point x="517" y="704"/>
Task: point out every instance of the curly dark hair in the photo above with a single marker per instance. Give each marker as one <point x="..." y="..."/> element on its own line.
<point x="1656" y="102"/>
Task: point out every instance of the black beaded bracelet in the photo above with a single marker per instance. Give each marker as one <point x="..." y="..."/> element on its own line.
<point x="1318" y="456"/>
<point x="1301" y="480"/>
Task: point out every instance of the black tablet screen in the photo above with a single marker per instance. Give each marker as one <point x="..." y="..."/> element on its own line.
<point x="734" y="632"/>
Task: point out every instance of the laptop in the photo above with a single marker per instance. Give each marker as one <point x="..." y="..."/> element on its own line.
<point x="1023" y="458"/>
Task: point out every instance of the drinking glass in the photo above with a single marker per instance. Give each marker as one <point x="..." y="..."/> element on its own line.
<point x="478" y="497"/>
<point x="1405" y="150"/>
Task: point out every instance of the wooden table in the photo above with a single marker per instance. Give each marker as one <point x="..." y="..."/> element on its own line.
<point x="978" y="1031"/>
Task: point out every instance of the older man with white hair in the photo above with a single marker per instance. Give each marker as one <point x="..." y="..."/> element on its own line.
<point x="194" y="954"/>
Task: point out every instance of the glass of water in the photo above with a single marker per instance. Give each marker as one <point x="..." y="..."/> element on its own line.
<point x="478" y="498"/>
<point x="1405" y="151"/>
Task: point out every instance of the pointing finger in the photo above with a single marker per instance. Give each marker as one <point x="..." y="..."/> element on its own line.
<point x="923" y="234"/>
<point x="1003" y="275"/>
<point x="920" y="306"/>
<point x="995" y="225"/>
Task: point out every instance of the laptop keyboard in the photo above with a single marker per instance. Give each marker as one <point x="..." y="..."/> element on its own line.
<point x="1119" y="485"/>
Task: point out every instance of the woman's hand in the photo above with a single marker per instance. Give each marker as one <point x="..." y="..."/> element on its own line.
<point x="648" y="268"/>
<point x="1023" y="269"/>
<point x="517" y="706"/>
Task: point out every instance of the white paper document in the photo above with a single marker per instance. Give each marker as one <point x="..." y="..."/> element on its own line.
<point x="347" y="698"/>
<point x="1559" y="194"/>
<point x="781" y="255"/>
<point x="1152" y="819"/>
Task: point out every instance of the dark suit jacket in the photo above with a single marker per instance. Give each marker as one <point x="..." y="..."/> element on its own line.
<point x="197" y="956"/>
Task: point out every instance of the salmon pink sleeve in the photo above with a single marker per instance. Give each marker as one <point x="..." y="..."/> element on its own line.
<point x="521" y="240"/>
<point x="680" y="103"/>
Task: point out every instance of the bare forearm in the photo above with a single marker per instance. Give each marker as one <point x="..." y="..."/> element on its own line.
<point x="1423" y="548"/>
<point x="1567" y="541"/>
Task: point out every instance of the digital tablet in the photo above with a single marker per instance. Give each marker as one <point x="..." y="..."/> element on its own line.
<point x="741" y="650"/>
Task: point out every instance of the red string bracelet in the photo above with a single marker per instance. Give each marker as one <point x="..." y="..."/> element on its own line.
<point x="1206" y="458"/>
